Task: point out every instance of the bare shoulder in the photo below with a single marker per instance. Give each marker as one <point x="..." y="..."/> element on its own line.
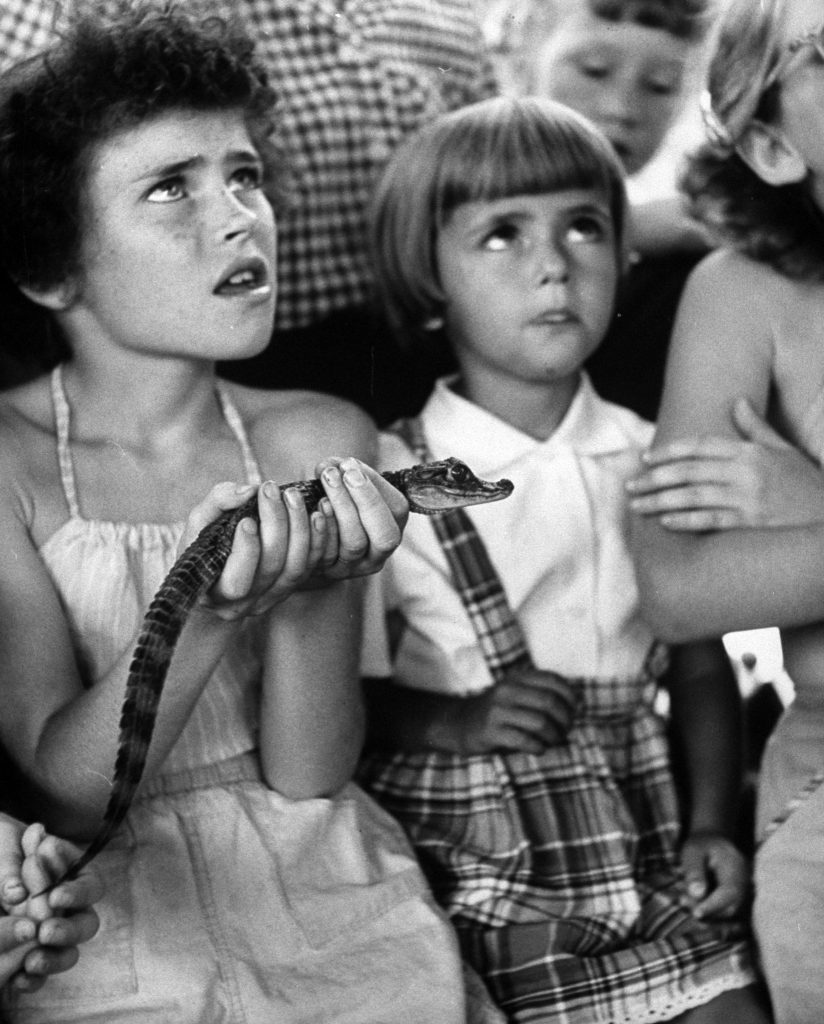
<point x="27" y="447"/>
<point x="726" y="280"/>
<point x="723" y="345"/>
<point x="291" y="431"/>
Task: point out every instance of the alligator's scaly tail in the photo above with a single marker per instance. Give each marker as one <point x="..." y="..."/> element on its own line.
<point x="430" y="488"/>
<point x="191" y="576"/>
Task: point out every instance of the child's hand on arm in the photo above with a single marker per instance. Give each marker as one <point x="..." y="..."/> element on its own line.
<point x="717" y="874"/>
<point x="529" y="710"/>
<point x="718" y="483"/>
<point x="42" y="932"/>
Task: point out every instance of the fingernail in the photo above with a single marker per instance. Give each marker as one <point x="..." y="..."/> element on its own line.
<point x="49" y="933"/>
<point x="331" y="476"/>
<point x="270" y="490"/>
<point x="13" y="890"/>
<point x="294" y="498"/>
<point x="325" y="507"/>
<point x="318" y="521"/>
<point x="249" y="526"/>
<point x="354" y="477"/>
<point x="24" y="930"/>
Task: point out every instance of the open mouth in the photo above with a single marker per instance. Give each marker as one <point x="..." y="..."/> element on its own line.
<point x="244" y="277"/>
<point x="553" y="316"/>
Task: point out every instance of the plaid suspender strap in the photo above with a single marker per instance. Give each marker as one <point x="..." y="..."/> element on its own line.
<point x="478" y="584"/>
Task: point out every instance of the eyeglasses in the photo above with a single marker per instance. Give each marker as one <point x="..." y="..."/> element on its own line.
<point x="814" y="38"/>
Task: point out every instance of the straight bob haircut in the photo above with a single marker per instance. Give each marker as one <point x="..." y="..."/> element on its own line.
<point x="485" y="151"/>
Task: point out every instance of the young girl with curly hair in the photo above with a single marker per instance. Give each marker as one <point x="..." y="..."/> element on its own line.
<point x="250" y="882"/>
<point x="731" y="533"/>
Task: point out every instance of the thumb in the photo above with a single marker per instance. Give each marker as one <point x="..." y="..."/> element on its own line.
<point x="753" y="427"/>
<point x="695" y="874"/>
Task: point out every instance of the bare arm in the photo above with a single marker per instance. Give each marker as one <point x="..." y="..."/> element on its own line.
<point x="707" y="745"/>
<point x="702" y="585"/>
<point x="706" y="730"/>
<point x="62" y="735"/>
<point x="312" y="716"/>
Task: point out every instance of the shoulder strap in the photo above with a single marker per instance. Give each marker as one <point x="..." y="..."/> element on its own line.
<point x="236" y="425"/>
<point x="498" y="631"/>
<point x="62" y="417"/>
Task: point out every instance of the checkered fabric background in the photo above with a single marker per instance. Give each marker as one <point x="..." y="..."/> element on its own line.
<point x="354" y="77"/>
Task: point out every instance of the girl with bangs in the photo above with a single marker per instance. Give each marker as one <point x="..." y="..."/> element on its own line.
<point x="519" y="740"/>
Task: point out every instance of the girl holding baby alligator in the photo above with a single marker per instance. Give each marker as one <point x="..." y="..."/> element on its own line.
<point x="252" y="881"/>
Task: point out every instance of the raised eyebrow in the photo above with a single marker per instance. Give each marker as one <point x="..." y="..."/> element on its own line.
<point x="244" y="156"/>
<point x="171" y="169"/>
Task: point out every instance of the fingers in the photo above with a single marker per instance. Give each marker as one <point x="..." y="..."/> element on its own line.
<point x="532" y="710"/>
<point x="369" y="515"/>
<point x="704" y="449"/>
<point x="78" y="894"/>
<point x="694" y="486"/>
<point x="717" y="877"/>
<point x="65" y="932"/>
<point x="45" y="960"/>
<point x="221" y="498"/>
<point x="12" y="890"/>
<point x="272" y="555"/>
<point x="17" y="939"/>
<point x="35" y="872"/>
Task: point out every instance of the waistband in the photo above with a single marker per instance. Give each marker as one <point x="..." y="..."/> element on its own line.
<point x="241" y="768"/>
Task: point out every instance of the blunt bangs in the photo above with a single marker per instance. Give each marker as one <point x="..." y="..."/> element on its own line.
<point x="525" y="147"/>
<point x="489" y="150"/>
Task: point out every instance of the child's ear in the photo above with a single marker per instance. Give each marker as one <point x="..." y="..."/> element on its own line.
<point x="55" y="297"/>
<point x="767" y="151"/>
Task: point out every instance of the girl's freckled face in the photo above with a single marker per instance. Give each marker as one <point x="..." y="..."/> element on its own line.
<point x="179" y="252"/>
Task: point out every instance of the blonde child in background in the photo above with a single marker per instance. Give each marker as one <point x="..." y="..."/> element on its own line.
<point x="520" y="745"/>
<point x="732" y="532"/>
<point x="251" y="881"/>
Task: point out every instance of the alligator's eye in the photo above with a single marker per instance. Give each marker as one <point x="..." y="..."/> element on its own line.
<point x="460" y="473"/>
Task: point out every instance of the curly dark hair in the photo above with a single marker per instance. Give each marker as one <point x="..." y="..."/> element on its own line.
<point x="104" y="75"/>
<point x="778" y="225"/>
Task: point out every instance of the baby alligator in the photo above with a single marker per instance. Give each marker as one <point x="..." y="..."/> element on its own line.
<point x="429" y="488"/>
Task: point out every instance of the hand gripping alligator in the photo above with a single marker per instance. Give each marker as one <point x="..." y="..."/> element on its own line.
<point x="430" y="488"/>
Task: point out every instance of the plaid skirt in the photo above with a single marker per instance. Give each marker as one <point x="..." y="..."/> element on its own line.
<point x="561" y="870"/>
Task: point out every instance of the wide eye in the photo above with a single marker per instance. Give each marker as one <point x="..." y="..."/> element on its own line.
<point x="586" y="227"/>
<point x="170" y="190"/>
<point x="459" y="472"/>
<point x="500" y="237"/>
<point x="246" y="178"/>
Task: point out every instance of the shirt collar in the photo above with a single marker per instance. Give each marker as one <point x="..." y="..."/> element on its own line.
<point x="591" y="426"/>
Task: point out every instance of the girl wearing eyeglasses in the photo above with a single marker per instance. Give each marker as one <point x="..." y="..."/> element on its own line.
<point x="730" y="531"/>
